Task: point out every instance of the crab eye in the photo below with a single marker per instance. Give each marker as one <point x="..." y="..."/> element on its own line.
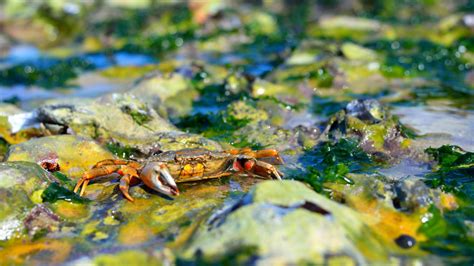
<point x="248" y="165"/>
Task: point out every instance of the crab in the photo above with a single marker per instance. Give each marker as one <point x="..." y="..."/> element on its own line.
<point x="161" y="172"/>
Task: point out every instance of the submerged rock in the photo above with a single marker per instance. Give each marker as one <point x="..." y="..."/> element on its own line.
<point x="21" y="186"/>
<point x="379" y="133"/>
<point x="267" y="224"/>
<point x="73" y="154"/>
<point x="41" y="220"/>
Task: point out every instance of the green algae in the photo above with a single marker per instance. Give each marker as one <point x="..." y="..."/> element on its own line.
<point x="333" y="162"/>
<point x="55" y="192"/>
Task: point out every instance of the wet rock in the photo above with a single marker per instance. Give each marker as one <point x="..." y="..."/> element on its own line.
<point x="7" y="109"/>
<point x="41" y="220"/>
<point x="379" y="133"/>
<point x="405" y="241"/>
<point x="172" y="93"/>
<point x="73" y="154"/>
<point x="410" y="195"/>
<point x="242" y="110"/>
<point x="287" y="94"/>
<point x="355" y="52"/>
<point x="342" y="27"/>
<point x="265" y="135"/>
<point x="366" y="110"/>
<point x="130" y="257"/>
<point x="21" y="186"/>
<point x="353" y="23"/>
<point x="17" y="126"/>
<point x="267" y="223"/>
<point x="118" y="118"/>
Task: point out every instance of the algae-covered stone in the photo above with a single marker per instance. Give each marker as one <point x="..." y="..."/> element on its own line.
<point x="115" y="116"/>
<point x="282" y="92"/>
<point x="287" y="223"/>
<point x="130" y="257"/>
<point x="74" y="154"/>
<point x="17" y="126"/>
<point x="378" y="132"/>
<point x="241" y="110"/>
<point x="19" y="182"/>
<point x="119" y="118"/>
<point x="172" y="92"/>
<point x="355" y="52"/>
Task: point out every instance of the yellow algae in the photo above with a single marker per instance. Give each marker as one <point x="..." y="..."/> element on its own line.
<point x="388" y="223"/>
<point x="139" y="205"/>
<point x="135" y="232"/>
<point x="70" y="210"/>
<point x="110" y="220"/>
<point x="35" y="197"/>
<point x="100" y="236"/>
<point x="74" y="154"/>
<point x="448" y="201"/>
<point x="18" y="253"/>
<point x="90" y="228"/>
<point x="127" y="71"/>
<point x="129" y="258"/>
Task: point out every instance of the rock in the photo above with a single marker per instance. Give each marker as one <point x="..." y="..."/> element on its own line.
<point x="267" y="223"/>
<point x="118" y="118"/>
<point x="172" y="92"/>
<point x="366" y="110"/>
<point x="21" y="185"/>
<point x="41" y="220"/>
<point x="74" y="154"/>
<point x="356" y="52"/>
<point x="17" y="126"/>
<point x="130" y="257"/>
<point x="352" y="23"/>
<point x="287" y="94"/>
<point x="378" y="132"/>
<point x="7" y="109"/>
<point x="242" y="110"/>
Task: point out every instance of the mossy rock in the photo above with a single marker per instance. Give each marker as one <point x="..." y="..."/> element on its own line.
<point x="268" y="223"/>
<point x="21" y="186"/>
<point x="74" y="154"/>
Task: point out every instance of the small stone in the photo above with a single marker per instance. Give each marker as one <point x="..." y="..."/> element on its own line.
<point x="405" y="241"/>
<point x="41" y="220"/>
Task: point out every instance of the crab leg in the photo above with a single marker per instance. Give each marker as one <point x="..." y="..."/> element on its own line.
<point x="125" y="185"/>
<point x="267" y="155"/>
<point x="103" y="171"/>
<point x="117" y="162"/>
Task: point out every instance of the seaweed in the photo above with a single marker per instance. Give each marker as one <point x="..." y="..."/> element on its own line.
<point x="331" y="162"/>
<point x="48" y="73"/>
<point x="450" y="233"/>
<point x="55" y="192"/>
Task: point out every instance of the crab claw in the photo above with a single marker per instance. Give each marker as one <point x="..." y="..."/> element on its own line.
<point x="156" y="176"/>
<point x="266" y="170"/>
